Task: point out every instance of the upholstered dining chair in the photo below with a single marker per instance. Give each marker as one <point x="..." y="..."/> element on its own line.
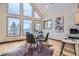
<point x="30" y="40"/>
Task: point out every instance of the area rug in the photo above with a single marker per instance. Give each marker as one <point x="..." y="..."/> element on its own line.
<point x="20" y="51"/>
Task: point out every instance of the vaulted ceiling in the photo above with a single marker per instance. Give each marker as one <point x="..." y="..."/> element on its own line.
<point x="51" y="9"/>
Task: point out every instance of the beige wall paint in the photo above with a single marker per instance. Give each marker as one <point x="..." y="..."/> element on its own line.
<point x="2" y="22"/>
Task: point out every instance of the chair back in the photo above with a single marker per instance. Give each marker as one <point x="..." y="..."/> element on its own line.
<point x="30" y="38"/>
<point x="47" y="36"/>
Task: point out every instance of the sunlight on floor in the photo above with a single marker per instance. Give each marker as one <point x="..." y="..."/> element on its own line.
<point x="4" y="48"/>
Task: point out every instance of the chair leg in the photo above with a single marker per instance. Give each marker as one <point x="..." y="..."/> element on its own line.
<point x="25" y="48"/>
<point x="62" y="48"/>
<point x="74" y="49"/>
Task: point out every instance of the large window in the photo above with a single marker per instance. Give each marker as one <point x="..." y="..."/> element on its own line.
<point x="27" y="9"/>
<point x="27" y="26"/>
<point x="14" y="8"/>
<point x="37" y="26"/>
<point x="23" y="12"/>
<point x="13" y="27"/>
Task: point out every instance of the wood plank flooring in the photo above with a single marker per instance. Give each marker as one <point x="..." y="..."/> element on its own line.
<point x="7" y="47"/>
<point x="68" y="51"/>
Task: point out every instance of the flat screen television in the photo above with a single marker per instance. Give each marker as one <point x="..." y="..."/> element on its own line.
<point x="74" y="31"/>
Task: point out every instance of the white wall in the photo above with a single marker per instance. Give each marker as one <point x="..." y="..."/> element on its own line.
<point x="69" y="22"/>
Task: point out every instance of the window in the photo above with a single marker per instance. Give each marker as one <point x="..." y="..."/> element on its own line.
<point x="14" y="8"/>
<point x="37" y="22"/>
<point x="36" y="15"/>
<point x="19" y="12"/>
<point x="13" y="27"/>
<point x="27" y="26"/>
<point x="27" y="9"/>
<point x="38" y="26"/>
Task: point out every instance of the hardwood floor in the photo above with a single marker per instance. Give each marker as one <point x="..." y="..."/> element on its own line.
<point x="7" y="47"/>
<point x="68" y="51"/>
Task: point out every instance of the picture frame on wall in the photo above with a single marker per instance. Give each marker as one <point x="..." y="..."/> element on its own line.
<point x="59" y="28"/>
<point x="59" y="20"/>
<point x="59" y="24"/>
<point x="48" y="24"/>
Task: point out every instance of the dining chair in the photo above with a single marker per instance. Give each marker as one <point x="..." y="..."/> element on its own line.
<point x="30" y="40"/>
<point x="44" y="39"/>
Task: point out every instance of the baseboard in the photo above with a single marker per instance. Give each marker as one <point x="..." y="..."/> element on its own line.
<point x="54" y="39"/>
<point x="11" y="41"/>
<point x="23" y="40"/>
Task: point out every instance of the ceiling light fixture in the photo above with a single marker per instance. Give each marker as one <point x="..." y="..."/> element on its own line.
<point x="48" y="5"/>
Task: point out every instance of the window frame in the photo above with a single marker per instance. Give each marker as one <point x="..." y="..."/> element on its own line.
<point x="35" y="25"/>
<point x="23" y="11"/>
<point x="37" y="18"/>
<point x="14" y="14"/>
<point x="37" y="14"/>
<point x="23" y="25"/>
<point x="22" y="17"/>
<point x="7" y="26"/>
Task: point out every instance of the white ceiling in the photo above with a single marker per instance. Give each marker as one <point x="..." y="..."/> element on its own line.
<point x="51" y="9"/>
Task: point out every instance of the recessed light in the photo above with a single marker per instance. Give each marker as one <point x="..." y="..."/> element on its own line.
<point x="46" y="6"/>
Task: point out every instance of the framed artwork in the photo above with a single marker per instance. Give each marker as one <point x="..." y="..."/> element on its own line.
<point x="59" y="24"/>
<point x="59" y="28"/>
<point x="59" y="20"/>
<point x="48" y="24"/>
